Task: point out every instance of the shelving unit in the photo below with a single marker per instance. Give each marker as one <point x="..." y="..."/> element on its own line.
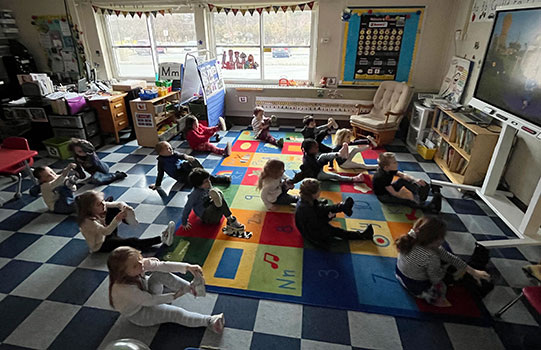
<point x="420" y="123"/>
<point x="465" y="150"/>
<point x="149" y="116"/>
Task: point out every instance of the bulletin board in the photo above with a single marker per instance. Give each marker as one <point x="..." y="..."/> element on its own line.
<point x="56" y="39"/>
<point x="380" y="44"/>
<point x="213" y="90"/>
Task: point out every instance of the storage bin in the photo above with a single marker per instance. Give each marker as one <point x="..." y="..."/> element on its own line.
<point x="78" y="133"/>
<point x="58" y="147"/>
<point x="159" y="108"/>
<point x="426" y="153"/>
<point x="92" y="129"/>
<point x="167" y="135"/>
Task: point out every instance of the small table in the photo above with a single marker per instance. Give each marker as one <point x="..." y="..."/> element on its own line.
<point x="10" y="157"/>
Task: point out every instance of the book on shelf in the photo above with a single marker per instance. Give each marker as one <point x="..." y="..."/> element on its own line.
<point x="468" y="141"/>
<point x="462" y="166"/>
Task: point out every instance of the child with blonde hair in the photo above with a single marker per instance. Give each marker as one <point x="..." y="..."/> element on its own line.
<point x="57" y="190"/>
<point x="141" y="299"/>
<point x="274" y="184"/>
<point x="313" y="216"/>
<point x="423" y="263"/>
<point x="407" y="190"/>
<point x="99" y="219"/>
<point x="343" y="136"/>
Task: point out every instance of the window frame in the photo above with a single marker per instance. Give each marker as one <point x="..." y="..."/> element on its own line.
<point x="262" y="46"/>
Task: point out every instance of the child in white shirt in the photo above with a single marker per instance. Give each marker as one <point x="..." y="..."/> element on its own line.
<point x="57" y="190"/>
<point x="274" y="185"/>
<point x="99" y="220"/>
<point x="261" y="124"/>
<point x="141" y="299"/>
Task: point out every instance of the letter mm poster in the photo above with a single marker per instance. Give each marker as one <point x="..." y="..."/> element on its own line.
<point x="380" y="44"/>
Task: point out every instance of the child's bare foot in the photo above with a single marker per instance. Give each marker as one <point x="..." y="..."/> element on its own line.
<point x="227" y="150"/>
<point x="344" y="151"/>
<point x="332" y="123"/>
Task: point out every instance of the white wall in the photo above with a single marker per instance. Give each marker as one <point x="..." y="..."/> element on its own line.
<point x="524" y="166"/>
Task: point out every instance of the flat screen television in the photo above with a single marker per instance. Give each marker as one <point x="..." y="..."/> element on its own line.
<point x="509" y="83"/>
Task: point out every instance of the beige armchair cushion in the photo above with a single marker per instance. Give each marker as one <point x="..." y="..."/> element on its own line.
<point x="391" y="96"/>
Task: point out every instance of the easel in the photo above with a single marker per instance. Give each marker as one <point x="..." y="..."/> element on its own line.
<point x="524" y="225"/>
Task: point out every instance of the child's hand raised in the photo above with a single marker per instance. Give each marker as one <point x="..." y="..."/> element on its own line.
<point x="195" y="269"/>
<point x="190" y="158"/>
<point x="120" y="216"/>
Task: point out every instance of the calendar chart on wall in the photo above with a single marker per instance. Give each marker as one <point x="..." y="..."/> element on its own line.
<point x="379" y="44"/>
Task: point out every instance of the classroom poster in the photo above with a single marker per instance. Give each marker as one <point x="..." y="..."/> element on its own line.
<point x="455" y="80"/>
<point x="380" y="44"/>
<point x="485" y="10"/>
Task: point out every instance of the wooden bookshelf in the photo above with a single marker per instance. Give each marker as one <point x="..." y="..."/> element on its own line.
<point x="149" y="115"/>
<point x="465" y="149"/>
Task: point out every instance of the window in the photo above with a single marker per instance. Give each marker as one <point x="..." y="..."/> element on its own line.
<point x="264" y="47"/>
<point x="140" y="44"/>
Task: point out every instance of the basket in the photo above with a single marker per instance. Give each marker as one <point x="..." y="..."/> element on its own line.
<point x="58" y="147"/>
<point x="426" y="153"/>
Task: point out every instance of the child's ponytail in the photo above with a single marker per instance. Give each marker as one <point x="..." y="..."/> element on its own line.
<point x="426" y="230"/>
<point x="273" y="169"/>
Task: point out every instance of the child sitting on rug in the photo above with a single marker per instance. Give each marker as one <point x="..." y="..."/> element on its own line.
<point x="261" y="124"/>
<point x="313" y="215"/>
<point x="274" y="184"/>
<point x="423" y="263"/>
<point x="198" y="136"/>
<point x="99" y="219"/>
<point x="313" y="162"/>
<point x="406" y="190"/>
<point x="179" y="166"/>
<point x="86" y="158"/>
<point x="344" y="136"/>
<point x="209" y="205"/>
<point x="57" y="190"/>
<point x="318" y="133"/>
<point x="141" y="299"/>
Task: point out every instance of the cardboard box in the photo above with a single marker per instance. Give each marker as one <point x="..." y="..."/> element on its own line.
<point x="127" y="85"/>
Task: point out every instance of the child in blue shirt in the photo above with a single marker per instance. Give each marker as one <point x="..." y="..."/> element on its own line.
<point x="209" y="204"/>
<point x="179" y="166"/>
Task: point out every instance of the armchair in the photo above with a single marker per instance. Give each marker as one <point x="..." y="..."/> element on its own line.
<point x="386" y="111"/>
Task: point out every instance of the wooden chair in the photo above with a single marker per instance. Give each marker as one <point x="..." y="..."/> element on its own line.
<point x="386" y="111"/>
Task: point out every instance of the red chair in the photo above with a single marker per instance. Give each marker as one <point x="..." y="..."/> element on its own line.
<point x="532" y="294"/>
<point x="16" y="143"/>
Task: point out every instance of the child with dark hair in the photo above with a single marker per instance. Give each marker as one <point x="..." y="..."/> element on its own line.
<point x="209" y="205"/>
<point x="423" y="263"/>
<point x="179" y="166"/>
<point x="406" y="190"/>
<point x="313" y="215"/>
<point x="57" y="190"/>
<point x="198" y="136"/>
<point x="261" y="124"/>
<point x="86" y="158"/>
<point x="313" y="162"/>
<point x="318" y="133"/>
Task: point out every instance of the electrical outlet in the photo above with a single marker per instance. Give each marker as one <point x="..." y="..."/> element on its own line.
<point x="324" y="40"/>
<point x="458" y="35"/>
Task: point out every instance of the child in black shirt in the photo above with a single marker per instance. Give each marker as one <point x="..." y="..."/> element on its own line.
<point x="313" y="215"/>
<point x="406" y="190"/>
<point x="318" y="133"/>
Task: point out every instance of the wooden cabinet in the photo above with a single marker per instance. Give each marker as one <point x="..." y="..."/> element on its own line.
<point x="152" y="117"/>
<point x="465" y="149"/>
<point x="112" y="114"/>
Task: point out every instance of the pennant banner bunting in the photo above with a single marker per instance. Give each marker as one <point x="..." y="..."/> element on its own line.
<point x="259" y="10"/>
<point x="110" y="11"/>
<point x="235" y="11"/>
<point x="251" y="11"/>
<point x="243" y="11"/>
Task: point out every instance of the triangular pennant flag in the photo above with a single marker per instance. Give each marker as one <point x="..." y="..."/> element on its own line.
<point x="95" y="8"/>
<point x="131" y="13"/>
<point x="251" y="11"/>
<point x="284" y="8"/>
<point x="117" y="12"/>
<point x="235" y="11"/>
<point x="170" y="11"/>
<point x="211" y="7"/>
<point x="124" y="13"/>
<point x="276" y="8"/>
<point x="102" y="11"/>
<point x="243" y="11"/>
<point x="259" y="10"/>
<point x="110" y="12"/>
<point x="226" y="10"/>
<point x="161" y="12"/>
<point x="147" y="13"/>
<point x="154" y="13"/>
<point x="311" y="5"/>
<point x="293" y="7"/>
<point x="218" y="9"/>
<point x="268" y="9"/>
<point x="139" y="13"/>
<point x="301" y="6"/>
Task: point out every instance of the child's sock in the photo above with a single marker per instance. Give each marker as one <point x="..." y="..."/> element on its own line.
<point x="372" y="141"/>
<point x="168" y="234"/>
<point x="227" y="150"/>
<point x="130" y="216"/>
<point x="344" y="151"/>
<point x="217" y="323"/>
<point x="216" y="197"/>
<point x="198" y="286"/>
<point x="280" y="143"/>
<point x="223" y="126"/>
<point x="334" y="124"/>
<point x="71" y="182"/>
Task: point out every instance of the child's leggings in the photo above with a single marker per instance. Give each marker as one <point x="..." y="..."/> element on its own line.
<point x="265" y="136"/>
<point x="208" y="147"/>
<point x="158" y="314"/>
